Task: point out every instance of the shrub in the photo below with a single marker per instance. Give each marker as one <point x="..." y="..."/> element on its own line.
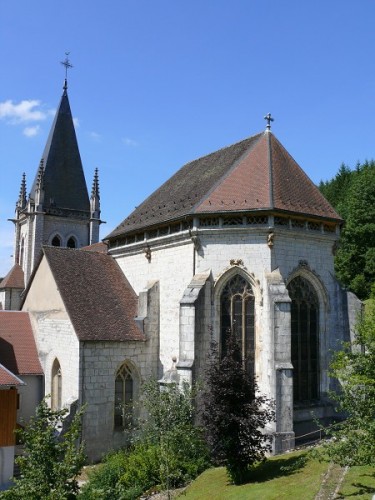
<point x="169" y="453"/>
<point x="50" y="463"/>
<point x="234" y="413"/>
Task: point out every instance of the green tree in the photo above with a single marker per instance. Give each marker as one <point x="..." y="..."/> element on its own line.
<point x="169" y="450"/>
<point x="234" y="413"/>
<point x="353" y="440"/>
<point x="170" y="426"/>
<point x="352" y="194"/>
<point x="336" y="190"/>
<point x="51" y="462"/>
<point x="354" y="262"/>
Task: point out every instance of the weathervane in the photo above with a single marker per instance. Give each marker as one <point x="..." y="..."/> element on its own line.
<point x="67" y="65"/>
<point x="269" y="119"/>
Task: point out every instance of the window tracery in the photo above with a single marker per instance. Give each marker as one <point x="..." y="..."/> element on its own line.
<point x="237" y="316"/>
<point x="305" y="339"/>
<point x="124" y="397"/>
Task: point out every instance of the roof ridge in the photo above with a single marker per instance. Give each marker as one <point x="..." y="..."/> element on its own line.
<point x="233" y="167"/>
<point x="222" y="149"/>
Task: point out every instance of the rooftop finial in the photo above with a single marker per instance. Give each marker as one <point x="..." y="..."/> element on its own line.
<point x="269" y="119"/>
<point x="67" y="65"/>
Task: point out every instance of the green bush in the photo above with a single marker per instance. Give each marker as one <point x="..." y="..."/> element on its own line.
<point x="142" y="468"/>
<point x="103" y="480"/>
<point x="169" y="453"/>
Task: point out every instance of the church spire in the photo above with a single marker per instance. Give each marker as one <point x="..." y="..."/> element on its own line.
<point x="63" y="179"/>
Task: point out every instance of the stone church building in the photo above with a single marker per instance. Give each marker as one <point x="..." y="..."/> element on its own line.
<point x="239" y="240"/>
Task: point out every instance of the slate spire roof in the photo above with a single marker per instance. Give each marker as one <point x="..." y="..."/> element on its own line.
<point x="63" y="179"/>
<point x="256" y="174"/>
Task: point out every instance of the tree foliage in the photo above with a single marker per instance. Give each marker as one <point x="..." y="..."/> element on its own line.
<point x="168" y="452"/>
<point x="51" y="462"/>
<point x="352" y="193"/>
<point x="353" y="440"/>
<point x="234" y="413"/>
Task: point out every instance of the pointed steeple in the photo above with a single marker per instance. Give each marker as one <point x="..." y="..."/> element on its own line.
<point x="95" y="210"/>
<point x="63" y="179"/>
<point x="95" y="195"/>
<point x="21" y="203"/>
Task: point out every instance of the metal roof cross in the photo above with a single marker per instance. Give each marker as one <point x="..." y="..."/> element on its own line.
<point x="67" y="65"/>
<point x="269" y="119"/>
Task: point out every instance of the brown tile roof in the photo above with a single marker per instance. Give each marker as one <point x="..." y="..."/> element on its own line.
<point x="14" y="279"/>
<point x="98" y="298"/>
<point x="8" y="379"/>
<point x="101" y="247"/>
<point x="254" y="174"/>
<point x="17" y="345"/>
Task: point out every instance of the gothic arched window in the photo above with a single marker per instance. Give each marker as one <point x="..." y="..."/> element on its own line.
<point x="124" y="397"/>
<point x="56" y="241"/>
<point x="71" y="242"/>
<point x="56" y="386"/>
<point x="305" y="340"/>
<point x="237" y="316"/>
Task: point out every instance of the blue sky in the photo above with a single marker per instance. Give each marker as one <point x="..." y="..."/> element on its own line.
<point x="157" y="83"/>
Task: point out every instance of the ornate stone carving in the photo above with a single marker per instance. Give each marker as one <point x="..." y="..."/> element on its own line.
<point x="270" y="239"/>
<point x="236" y="262"/>
<point x="195" y="239"/>
<point x="147" y="252"/>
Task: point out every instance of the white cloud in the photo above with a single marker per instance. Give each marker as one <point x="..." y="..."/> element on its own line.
<point x="75" y="122"/>
<point x="24" y="111"/>
<point x="129" y="142"/>
<point x="31" y="131"/>
<point x="95" y="136"/>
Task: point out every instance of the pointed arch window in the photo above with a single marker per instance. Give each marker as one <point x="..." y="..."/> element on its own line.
<point x="56" y="386"/>
<point x="305" y="340"/>
<point x="124" y="397"/>
<point x="56" y="241"/>
<point x="72" y="242"/>
<point x="237" y="315"/>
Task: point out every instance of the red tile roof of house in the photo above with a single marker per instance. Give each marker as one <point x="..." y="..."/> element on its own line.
<point x="98" y="298"/>
<point x="97" y="247"/>
<point x="14" y="279"/>
<point x="18" y="351"/>
<point x="252" y="175"/>
<point x="8" y="379"/>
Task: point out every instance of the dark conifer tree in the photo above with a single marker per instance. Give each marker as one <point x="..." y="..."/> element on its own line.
<point x="234" y="414"/>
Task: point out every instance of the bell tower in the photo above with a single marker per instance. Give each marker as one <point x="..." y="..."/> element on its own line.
<point x="58" y="210"/>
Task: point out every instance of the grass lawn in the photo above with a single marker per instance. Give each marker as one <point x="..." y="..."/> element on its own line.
<point x="359" y="483"/>
<point x="282" y="477"/>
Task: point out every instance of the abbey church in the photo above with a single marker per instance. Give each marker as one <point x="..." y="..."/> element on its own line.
<point x="239" y="240"/>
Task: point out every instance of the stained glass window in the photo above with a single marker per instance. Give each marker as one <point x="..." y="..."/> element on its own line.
<point x="305" y="340"/>
<point x="237" y="316"/>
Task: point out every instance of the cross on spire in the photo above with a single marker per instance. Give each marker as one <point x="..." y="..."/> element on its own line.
<point x="67" y="65"/>
<point x="269" y="119"/>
